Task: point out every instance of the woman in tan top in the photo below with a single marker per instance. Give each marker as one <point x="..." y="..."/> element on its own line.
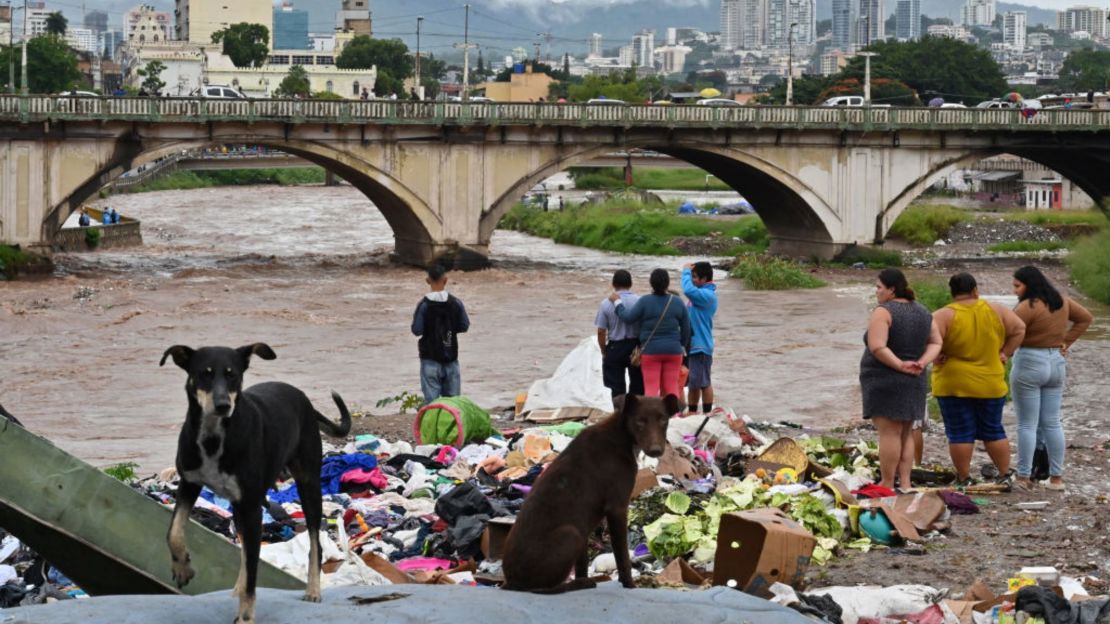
<point x="1039" y="371"/>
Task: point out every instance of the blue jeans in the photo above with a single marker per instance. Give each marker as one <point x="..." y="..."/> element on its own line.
<point x="1037" y="385"/>
<point x="437" y="379"/>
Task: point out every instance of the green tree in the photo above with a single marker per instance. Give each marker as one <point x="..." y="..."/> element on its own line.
<point x="51" y="65"/>
<point x="1084" y="70"/>
<point x="326" y="95"/>
<point x="56" y="24"/>
<point x="807" y="91"/>
<point x="294" y="83"/>
<point x="152" y="77"/>
<point x="932" y="66"/>
<point x="248" y="45"/>
<point x="883" y="91"/>
<point x="390" y="55"/>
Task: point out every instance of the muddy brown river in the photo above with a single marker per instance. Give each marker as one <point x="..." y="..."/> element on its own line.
<point x="305" y="270"/>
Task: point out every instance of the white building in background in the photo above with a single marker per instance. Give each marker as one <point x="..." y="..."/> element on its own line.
<point x="951" y="31"/>
<point x="643" y="48"/>
<point x="1039" y="40"/>
<point x="82" y="39"/>
<point x="978" y="13"/>
<point x="1089" y="19"/>
<point x="782" y="13"/>
<point x="626" y="56"/>
<point x="730" y="25"/>
<point x="520" y="54"/>
<point x="595" y="45"/>
<point x="907" y="19"/>
<point x="322" y="43"/>
<point x="672" y="36"/>
<point x="36" y="19"/>
<point x="672" y="59"/>
<point x="753" y="24"/>
<point x="145" y="24"/>
<point x="833" y="61"/>
<point x="1014" y="29"/>
<point x="872" y="22"/>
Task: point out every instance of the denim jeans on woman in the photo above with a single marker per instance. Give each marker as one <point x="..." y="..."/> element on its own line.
<point x="1037" y="386"/>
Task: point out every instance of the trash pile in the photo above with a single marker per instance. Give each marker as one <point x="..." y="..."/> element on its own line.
<point x="27" y="579"/>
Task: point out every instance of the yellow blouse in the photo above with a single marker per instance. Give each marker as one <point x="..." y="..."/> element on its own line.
<point x="972" y="343"/>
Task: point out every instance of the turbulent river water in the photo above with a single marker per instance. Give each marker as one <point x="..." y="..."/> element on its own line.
<point x="305" y="270"/>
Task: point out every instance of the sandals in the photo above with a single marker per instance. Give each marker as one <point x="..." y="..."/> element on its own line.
<point x="1022" y="485"/>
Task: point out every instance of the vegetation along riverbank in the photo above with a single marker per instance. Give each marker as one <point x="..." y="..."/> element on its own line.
<point x="186" y="180"/>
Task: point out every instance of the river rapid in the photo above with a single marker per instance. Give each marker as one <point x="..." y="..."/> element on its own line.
<point x="306" y="270"/>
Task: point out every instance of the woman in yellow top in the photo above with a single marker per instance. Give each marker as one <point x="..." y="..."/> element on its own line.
<point x="1039" y="371"/>
<point x="978" y="337"/>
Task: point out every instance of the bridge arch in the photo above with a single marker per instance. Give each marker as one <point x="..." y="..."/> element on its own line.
<point x="408" y="215"/>
<point x="791" y="210"/>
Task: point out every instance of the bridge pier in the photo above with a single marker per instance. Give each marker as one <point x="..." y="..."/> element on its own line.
<point x="450" y="254"/>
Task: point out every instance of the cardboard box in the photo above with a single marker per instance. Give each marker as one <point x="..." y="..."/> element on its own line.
<point x="493" y="538"/>
<point x="760" y="547"/>
<point x="645" y="480"/>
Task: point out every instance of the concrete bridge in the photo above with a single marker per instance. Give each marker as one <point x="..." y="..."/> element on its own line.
<point x="444" y="174"/>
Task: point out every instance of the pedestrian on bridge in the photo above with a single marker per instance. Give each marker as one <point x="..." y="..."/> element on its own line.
<point x="106" y="216"/>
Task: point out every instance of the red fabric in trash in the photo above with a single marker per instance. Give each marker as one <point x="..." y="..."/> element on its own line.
<point x="874" y="491"/>
<point x="932" y="615"/>
<point x="423" y="563"/>
<point x="361" y="475"/>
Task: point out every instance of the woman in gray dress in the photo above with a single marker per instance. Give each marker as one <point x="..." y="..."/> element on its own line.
<point x="902" y="341"/>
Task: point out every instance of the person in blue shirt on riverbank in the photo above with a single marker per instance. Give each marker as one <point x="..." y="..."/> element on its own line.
<point x="701" y="293"/>
<point x="106" y="217"/>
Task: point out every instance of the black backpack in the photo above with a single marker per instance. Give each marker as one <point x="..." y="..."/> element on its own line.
<point x="439" y="341"/>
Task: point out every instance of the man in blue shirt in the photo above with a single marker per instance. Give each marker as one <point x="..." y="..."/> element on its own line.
<point x="701" y="293"/>
<point x="617" y="339"/>
<point x="106" y="216"/>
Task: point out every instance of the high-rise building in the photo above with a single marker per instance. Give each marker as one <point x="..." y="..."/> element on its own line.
<point x="145" y="24"/>
<point x="626" y="56"/>
<point x="595" y="45"/>
<point x="907" y="19"/>
<point x="198" y="19"/>
<point x="108" y="42"/>
<point x="672" y="36"/>
<point x="81" y="39"/>
<point x="782" y="13"/>
<point x="96" y="21"/>
<point x="833" y="61"/>
<point x="1013" y="29"/>
<point x="672" y="58"/>
<point x="290" y="28"/>
<point x="872" y="22"/>
<point x="844" y="32"/>
<point x="730" y="24"/>
<point x="36" y="19"/>
<point x="978" y="13"/>
<point x="354" y="17"/>
<point x="643" y="48"/>
<point x="753" y="24"/>
<point x="1089" y="19"/>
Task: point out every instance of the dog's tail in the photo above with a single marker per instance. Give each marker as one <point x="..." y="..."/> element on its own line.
<point x="6" y="414"/>
<point x="344" y="427"/>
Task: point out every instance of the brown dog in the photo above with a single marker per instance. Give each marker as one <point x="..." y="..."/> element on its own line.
<point x="592" y="479"/>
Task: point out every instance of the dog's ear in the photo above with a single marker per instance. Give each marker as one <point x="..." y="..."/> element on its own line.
<point x="673" y="404"/>
<point x="628" y="403"/>
<point x="181" y="356"/>
<point x="260" y="349"/>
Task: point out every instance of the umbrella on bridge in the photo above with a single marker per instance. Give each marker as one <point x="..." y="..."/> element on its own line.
<point x="1014" y="97"/>
<point x="709" y="92"/>
<point x="936" y="102"/>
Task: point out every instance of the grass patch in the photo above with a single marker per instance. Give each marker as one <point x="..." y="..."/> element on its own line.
<point x="1090" y="266"/>
<point x="871" y="257"/>
<point x="630" y="226"/>
<point x="11" y="259"/>
<point x="761" y="272"/>
<point x="1026" y="246"/>
<point x="124" y="472"/>
<point x="186" y="180"/>
<point x="612" y="178"/>
<point x="932" y="294"/>
<point x="1060" y="217"/>
<point x="923" y="224"/>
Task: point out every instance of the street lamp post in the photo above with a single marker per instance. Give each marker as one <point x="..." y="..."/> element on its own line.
<point x="867" y="76"/>
<point x="790" y="64"/>
<point x="419" y="84"/>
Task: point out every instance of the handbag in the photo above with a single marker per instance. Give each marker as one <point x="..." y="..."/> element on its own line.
<point x="634" y="359"/>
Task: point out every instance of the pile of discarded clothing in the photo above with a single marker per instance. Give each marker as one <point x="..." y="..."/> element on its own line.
<point x="27" y="579"/>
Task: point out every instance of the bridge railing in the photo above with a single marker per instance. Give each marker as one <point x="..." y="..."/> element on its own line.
<point x="47" y="108"/>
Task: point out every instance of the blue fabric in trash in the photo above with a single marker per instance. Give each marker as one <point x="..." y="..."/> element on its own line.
<point x="687" y="208"/>
<point x="334" y="467"/>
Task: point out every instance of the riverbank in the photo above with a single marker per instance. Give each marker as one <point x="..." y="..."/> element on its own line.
<point x="188" y="180"/>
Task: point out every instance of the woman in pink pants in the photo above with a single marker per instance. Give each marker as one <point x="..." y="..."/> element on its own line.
<point x="664" y="333"/>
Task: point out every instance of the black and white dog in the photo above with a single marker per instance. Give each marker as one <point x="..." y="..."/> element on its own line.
<point x="237" y="442"/>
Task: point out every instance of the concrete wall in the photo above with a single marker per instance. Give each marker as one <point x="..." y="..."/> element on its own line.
<point x="111" y="237"/>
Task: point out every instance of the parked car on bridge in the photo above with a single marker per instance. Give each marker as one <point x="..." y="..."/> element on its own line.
<point x="607" y="102"/>
<point x="844" y="100"/>
<point x="219" y="92"/>
<point x="718" y="102"/>
<point x="996" y="103"/>
<point x="79" y="94"/>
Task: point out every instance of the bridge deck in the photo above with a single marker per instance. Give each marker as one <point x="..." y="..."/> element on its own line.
<point x="30" y="109"/>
